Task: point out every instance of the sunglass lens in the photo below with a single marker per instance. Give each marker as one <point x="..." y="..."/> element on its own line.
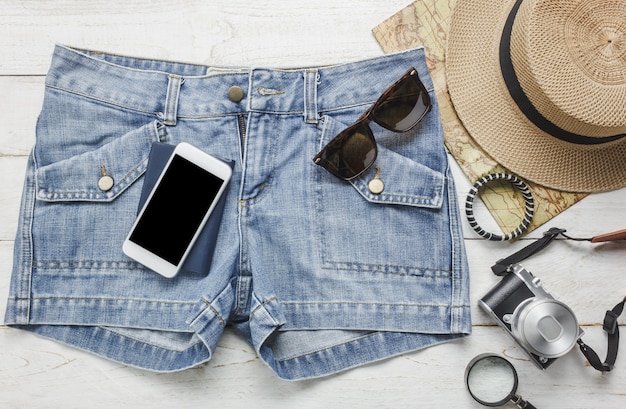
<point x="404" y="106"/>
<point x="352" y="152"/>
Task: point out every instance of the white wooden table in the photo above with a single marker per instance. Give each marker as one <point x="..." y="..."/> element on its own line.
<point x="37" y="373"/>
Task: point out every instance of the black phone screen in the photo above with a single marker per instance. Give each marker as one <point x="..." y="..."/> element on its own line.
<point x="176" y="210"/>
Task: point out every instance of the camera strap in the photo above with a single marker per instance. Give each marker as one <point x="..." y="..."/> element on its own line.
<point x="612" y="328"/>
<point x="501" y="267"/>
<point x="610" y="324"/>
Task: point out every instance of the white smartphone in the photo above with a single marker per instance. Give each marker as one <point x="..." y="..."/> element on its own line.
<point x="177" y="209"/>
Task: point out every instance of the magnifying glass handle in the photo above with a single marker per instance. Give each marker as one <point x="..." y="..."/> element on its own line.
<point x="521" y="403"/>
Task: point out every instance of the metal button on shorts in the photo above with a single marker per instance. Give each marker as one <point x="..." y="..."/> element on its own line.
<point x="235" y="93"/>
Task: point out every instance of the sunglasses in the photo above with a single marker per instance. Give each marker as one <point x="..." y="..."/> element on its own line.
<point x="399" y="108"/>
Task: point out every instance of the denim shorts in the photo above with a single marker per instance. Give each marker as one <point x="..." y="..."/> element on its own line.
<point x="317" y="273"/>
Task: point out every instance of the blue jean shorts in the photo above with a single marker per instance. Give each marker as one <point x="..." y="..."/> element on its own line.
<point x="317" y="273"/>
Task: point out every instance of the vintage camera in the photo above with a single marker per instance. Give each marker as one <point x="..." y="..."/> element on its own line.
<point x="544" y="327"/>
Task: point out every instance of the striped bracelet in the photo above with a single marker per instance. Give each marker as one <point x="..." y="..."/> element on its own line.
<point x="528" y="213"/>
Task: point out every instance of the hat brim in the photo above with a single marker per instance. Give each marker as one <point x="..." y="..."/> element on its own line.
<point x="482" y="102"/>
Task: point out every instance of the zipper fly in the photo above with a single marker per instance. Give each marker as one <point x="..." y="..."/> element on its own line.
<point x="241" y="119"/>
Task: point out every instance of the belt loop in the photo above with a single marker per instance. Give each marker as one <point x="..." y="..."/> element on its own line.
<point x="171" y="99"/>
<point x="311" y="79"/>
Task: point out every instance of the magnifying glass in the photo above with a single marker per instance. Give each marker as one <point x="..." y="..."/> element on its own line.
<point x="492" y="381"/>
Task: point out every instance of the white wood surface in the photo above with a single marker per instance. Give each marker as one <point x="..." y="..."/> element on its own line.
<point x="37" y="373"/>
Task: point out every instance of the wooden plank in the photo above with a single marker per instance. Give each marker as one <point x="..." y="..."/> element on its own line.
<point x="272" y="32"/>
<point x="23" y="100"/>
<point x="12" y="169"/>
<point x="42" y="372"/>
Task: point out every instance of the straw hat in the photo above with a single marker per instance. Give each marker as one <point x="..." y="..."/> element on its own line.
<point x="550" y="104"/>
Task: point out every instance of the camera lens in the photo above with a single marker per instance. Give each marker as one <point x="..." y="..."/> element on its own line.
<point x="548" y="328"/>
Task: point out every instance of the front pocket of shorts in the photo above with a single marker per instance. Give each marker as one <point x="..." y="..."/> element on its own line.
<point x="76" y="178"/>
<point x="398" y="231"/>
<point x="76" y="223"/>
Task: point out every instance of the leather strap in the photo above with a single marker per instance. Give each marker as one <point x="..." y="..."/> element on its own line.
<point x="616" y="235"/>
<point x="612" y="328"/>
<point x="501" y="267"/>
